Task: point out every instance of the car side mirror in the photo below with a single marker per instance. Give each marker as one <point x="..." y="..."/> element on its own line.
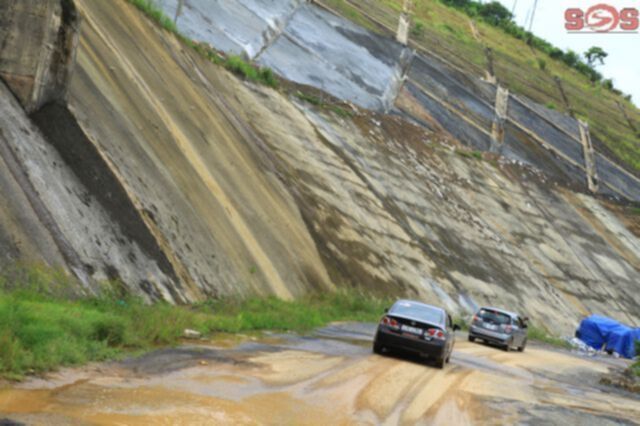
<point x="525" y="319"/>
<point x="456" y="327"/>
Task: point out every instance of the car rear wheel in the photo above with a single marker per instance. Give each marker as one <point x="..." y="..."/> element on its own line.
<point x="521" y="348"/>
<point x="440" y="362"/>
<point x="377" y="348"/>
<point x="505" y="347"/>
<point x="472" y="339"/>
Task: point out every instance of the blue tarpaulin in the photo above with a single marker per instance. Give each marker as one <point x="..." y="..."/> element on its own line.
<point x="605" y="333"/>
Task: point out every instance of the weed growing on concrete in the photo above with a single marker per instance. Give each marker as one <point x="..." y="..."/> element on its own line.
<point x="151" y="10"/>
<point x="235" y="64"/>
<point x="314" y="100"/>
<point x="469" y="154"/>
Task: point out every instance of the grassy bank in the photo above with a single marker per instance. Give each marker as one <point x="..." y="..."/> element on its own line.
<point x="541" y="335"/>
<point x="40" y="329"/>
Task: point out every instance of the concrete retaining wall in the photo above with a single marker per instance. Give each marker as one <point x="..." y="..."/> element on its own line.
<point x="309" y="45"/>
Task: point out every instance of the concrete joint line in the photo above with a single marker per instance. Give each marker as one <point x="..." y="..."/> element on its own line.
<point x="275" y="31"/>
<point x="589" y="156"/>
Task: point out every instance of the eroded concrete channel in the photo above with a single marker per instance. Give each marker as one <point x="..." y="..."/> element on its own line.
<point x="330" y="377"/>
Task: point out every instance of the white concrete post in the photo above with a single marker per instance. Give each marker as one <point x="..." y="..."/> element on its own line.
<point x="404" y="24"/>
<point x="589" y="156"/>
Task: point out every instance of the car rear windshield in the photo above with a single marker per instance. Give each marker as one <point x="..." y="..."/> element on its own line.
<point x="418" y="311"/>
<point x="494" y="317"/>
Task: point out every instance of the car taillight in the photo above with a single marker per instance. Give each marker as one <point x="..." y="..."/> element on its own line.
<point x="507" y="328"/>
<point x="436" y="334"/>
<point x="390" y="322"/>
<point x="475" y="319"/>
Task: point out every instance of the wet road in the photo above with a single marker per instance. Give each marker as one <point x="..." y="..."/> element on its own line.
<point x="330" y="377"/>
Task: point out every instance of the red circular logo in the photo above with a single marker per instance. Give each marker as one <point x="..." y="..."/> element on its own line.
<point x="602" y="18"/>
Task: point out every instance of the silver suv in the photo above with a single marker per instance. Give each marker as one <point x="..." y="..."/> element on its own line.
<point x="500" y="327"/>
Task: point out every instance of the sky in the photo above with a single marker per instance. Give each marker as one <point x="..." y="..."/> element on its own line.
<point x="623" y="63"/>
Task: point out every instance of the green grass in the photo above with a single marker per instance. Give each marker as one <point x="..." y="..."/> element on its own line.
<point x="235" y="64"/>
<point x="319" y="102"/>
<point x="469" y="154"/>
<point x="250" y="72"/>
<point x="541" y="335"/>
<point x="153" y="12"/>
<point x="635" y="368"/>
<point x="41" y="328"/>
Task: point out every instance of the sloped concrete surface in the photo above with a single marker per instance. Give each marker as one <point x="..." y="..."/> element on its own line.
<point x="77" y="227"/>
<point x="243" y="27"/>
<point x="156" y="114"/>
<point x="302" y="43"/>
<point x="328" y="52"/>
<point x="247" y="191"/>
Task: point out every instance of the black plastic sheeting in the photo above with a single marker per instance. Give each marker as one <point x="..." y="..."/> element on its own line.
<point x="622" y="181"/>
<point x="439" y="89"/>
<point x="450" y="121"/>
<point x="549" y="133"/>
<point x="471" y="99"/>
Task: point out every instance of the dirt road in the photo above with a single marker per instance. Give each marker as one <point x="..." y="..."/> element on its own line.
<point x="330" y="377"/>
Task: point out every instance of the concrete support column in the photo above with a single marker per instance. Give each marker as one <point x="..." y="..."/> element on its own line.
<point x="501" y="111"/>
<point x="404" y="24"/>
<point x="589" y="156"/>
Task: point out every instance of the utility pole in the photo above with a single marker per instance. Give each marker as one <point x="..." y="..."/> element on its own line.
<point x="533" y="15"/>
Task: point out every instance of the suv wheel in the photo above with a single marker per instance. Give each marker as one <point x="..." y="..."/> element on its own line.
<point x="524" y="345"/>
<point x="472" y="339"/>
<point x="377" y="349"/>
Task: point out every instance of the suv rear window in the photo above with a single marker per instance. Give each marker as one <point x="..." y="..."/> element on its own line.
<point x="414" y="310"/>
<point x="494" y="317"/>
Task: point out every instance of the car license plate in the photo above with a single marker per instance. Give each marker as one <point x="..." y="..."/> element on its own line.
<point x="491" y="326"/>
<point x="412" y="330"/>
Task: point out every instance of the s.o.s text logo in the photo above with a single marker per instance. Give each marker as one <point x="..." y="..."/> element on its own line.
<point x="602" y="18"/>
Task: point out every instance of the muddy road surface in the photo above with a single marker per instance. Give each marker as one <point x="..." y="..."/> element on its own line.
<point x="329" y="377"/>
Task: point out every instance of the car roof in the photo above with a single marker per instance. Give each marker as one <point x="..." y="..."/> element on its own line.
<point x="502" y="311"/>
